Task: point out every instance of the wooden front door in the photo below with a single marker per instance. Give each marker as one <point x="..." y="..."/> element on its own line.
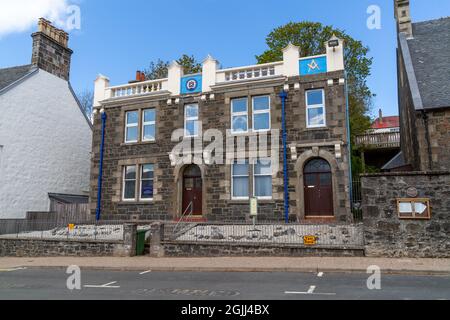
<point x="192" y="191"/>
<point x="318" y="189"/>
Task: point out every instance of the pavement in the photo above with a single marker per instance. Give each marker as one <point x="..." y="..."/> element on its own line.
<point x="237" y="264"/>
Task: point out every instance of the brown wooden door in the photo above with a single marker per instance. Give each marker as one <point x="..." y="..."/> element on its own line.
<point x="192" y="191"/>
<point x="318" y="189"/>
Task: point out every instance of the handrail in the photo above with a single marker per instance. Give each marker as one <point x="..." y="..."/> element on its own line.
<point x="379" y="139"/>
<point x="191" y="207"/>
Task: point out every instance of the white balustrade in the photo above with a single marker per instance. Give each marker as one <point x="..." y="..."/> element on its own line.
<point x="250" y="72"/>
<point x="138" y="88"/>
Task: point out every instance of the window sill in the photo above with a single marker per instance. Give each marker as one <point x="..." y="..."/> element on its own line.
<point x="126" y="144"/>
<point x="317" y="128"/>
<point x="247" y="201"/>
<point x="141" y="202"/>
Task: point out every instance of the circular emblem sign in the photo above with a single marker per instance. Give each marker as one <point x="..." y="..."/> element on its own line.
<point x="191" y="84"/>
<point x="412" y="192"/>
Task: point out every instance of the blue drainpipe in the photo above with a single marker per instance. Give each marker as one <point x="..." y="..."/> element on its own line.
<point x="100" y="173"/>
<point x="349" y="141"/>
<point x="283" y="96"/>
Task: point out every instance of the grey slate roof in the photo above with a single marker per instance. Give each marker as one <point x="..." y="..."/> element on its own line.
<point x="396" y="162"/>
<point x="430" y="54"/>
<point x="68" y="198"/>
<point x="8" y="76"/>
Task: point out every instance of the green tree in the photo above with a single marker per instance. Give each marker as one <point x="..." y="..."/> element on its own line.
<point x="311" y="38"/>
<point x="159" y="69"/>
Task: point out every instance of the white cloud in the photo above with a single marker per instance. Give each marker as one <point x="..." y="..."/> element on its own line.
<point x="22" y="15"/>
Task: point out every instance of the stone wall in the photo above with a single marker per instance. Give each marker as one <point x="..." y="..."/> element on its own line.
<point x="54" y="248"/>
<point x="177" y="249"/>
<point x="439" y="131"/>
<point x="218" y="205"/>
<point x="388" y="236"/>
<point x="17" y="247"/>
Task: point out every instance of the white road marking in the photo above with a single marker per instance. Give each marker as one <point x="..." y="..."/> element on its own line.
<point x="307" y="293"/>
<point x="310" y="292"/>
<point x="148" y="271"/>
<point x="12" y="269"/>
<point x="320" y="274"/>
<point x="106" y="286"/>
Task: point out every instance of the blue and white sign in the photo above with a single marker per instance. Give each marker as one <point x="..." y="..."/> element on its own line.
<point x="191" y="84"/>
<point x="313" y="66"/>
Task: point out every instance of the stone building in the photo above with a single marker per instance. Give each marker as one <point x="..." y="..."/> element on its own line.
<point x="424" y="98"/>
<point x="380" y="143"/>
<point x="143" y="179"/>
<point x="45" y="138"/>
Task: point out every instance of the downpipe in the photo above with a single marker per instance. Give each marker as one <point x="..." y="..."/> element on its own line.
<point x="100" y="173"/>
<point x="283" y="96"/>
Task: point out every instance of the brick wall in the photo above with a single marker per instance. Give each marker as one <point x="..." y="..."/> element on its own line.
<point x="388" y="236"/>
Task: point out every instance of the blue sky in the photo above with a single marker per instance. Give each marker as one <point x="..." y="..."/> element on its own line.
<point x="118" y="37"/>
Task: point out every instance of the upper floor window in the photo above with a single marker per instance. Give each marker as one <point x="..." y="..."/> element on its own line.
<point x="131" y="126"/>
<point x="129" y="183"/>
<point x="261" y="113"/>
<point x="240" y="176"/>
<point x="149" y="125"/>
<point x="262" y="179"/>
<point x="315" y="108"/>
<point x="239" y="115"/>
<point x="147" y="182"/>
<point x="191" y="122"/>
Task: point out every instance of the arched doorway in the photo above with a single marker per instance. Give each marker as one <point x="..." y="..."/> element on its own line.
<point x="318" y="188"/>
<point x="192" y="191"/>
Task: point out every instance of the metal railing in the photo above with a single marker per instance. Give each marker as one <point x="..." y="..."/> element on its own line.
<point x="190" y="209"/>
<point x="62" y="230"/>
<point x="356" y="200"/>
<point x="268" y="234"/>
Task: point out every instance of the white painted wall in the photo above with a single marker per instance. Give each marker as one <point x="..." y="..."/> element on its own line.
<point x="46" y="145"/>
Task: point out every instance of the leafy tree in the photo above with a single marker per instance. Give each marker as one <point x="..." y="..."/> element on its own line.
<point x="311" y="38"/>
<point x="159" y="69"/>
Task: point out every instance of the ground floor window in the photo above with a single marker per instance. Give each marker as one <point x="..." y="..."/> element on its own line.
<point x="262" y="179"/>
<point x="135" y="187"/>
<point x="147" y="182"/>
<point x="240" y="179"/>
<point x="129" y="183"/>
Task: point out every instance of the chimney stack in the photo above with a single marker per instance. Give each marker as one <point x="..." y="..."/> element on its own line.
<point x="50" y="50"/>
<point x="403" y="17"/>
<point x="380" y="118"/>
